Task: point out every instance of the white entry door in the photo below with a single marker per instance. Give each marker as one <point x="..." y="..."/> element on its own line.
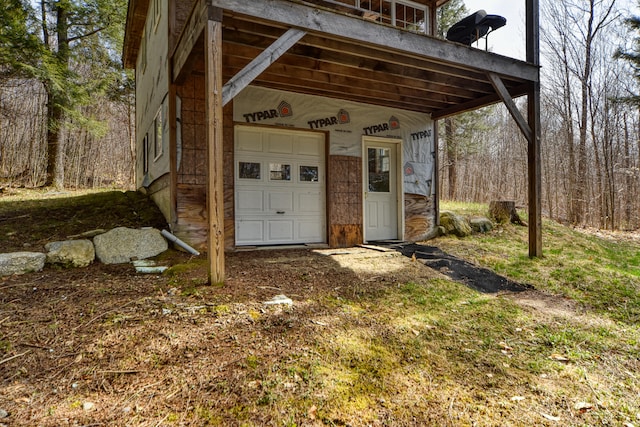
<point x="381" y="190"/>
<point x="279" y="186"/>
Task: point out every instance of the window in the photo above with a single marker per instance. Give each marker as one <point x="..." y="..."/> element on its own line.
<point x="410" y="17"/>
<point x="308" y="173"/>
<point x="158" y="131"/>
<point x="248" y="170"/>
<point x="145" y="154"/>
<point x="379" y="169"/>
<point x="406" y="14"/>
<point x="280" y="172"/>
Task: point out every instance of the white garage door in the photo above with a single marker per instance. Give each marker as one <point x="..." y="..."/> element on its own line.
<point x="279" y="186"/>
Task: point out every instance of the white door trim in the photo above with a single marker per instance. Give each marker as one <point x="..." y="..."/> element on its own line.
<point x="366" y="140"/>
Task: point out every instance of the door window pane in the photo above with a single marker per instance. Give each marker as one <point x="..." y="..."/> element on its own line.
<point x="308" y="173"/>
<point x="378" y="160"/>
<point x="280" y="172"/>
<point x="248" y="170"/>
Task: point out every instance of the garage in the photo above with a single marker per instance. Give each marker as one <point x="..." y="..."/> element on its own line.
<point x="280" y="182"/>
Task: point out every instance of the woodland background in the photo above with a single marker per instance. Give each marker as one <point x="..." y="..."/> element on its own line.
<point x="67" y="110"/>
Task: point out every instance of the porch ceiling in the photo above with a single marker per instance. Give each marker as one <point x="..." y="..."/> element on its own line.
<point x="366" y="62"/>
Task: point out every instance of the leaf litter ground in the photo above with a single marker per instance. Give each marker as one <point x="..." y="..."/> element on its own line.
<point x="372" y="338"/>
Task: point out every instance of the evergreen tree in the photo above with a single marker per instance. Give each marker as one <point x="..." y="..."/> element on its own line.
<point x="19" y="47"/>
<point x="82" y="40"/>
<point x="449" y="14"/>
<point x="633" y="57"/>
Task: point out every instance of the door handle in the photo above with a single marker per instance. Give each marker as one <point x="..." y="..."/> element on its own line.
<point x="280" y="212"/>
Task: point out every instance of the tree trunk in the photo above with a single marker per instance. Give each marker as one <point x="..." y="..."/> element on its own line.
<point x="505" y="211"/>
<point x="452" y="160"/>
<point x="57" y="100"/>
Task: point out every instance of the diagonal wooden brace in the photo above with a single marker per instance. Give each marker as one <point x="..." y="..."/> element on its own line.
<point x="260" y="63"/>
<point x="511" y="105"/>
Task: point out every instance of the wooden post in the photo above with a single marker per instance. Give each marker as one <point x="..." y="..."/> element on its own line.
<point x="436" y="174"/>
<point x="173" y="156"/>
<point x="215" y="154"/>
<point x="533" y="155"/>
<point x="433" y="20"/>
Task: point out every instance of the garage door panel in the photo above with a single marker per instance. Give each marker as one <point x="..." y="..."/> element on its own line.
<point x="308" y="146"/>
<point x="311" y="231"/>
<point x="310" y="203"/>
<point x="280" y="201"/>
<point x="250" y="200"/>
<point x="249" y="231"/>
<point x="279" y="190"/>
<point x="280" y="231"/>
<point x="249" y="140"/>
<point x="280" y="144"/>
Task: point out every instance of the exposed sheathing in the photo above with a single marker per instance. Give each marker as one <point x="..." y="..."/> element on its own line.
<point x="191" y="192"/>
<point x="192" y="175"/>
<point x="193" y="164"/>
<point x="344" y="200"/>
<point x="229" y="212"/>
<point x="181" y="11"/>
<point x="419" y="217"/>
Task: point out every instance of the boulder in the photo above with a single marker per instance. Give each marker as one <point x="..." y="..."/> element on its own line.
<point x="455" y="224"/>
<point x="481" y="224"/>
<point x="71" y="253"/>
<point x="21" y="262"/>
<point x="122" y="245"/>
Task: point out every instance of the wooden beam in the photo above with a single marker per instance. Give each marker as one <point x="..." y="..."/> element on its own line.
<point x="511" y="105"/>
<point x="134" y="31"/>
<point x="189" y="37"/>
<point x="356" y="56"/>
<point x="173" y="156"/>
<point x="338" y="50"/>
<point x="382" y="37"/>
<point x="433" y="20"/>
<point x="260" y="63"/>
<point x="474" y="104"/>
<point x="215" y="153"/>
<point x="317" y="91"/>
<point x="533" y="152"/>
<point x="436" y="174"/>
<point x="347" y="85"/>
<point x="369" y="77"/>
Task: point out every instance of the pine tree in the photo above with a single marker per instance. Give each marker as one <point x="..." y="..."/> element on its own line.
<point x="632" y="57"/>
<point x="19" y="47"/>
<point x="76" y="35"/>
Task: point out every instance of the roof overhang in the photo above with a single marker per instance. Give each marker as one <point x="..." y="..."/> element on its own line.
<point x="136" y="17"/>
<point x="353" y="59"/>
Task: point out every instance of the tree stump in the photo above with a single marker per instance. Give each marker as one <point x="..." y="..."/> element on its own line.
<point x="505" y="210"/>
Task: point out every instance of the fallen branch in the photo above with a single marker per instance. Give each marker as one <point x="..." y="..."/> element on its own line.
<point x="15" y="286"/>
<point x="14" y="357"/>
<point x="105" y="313"/>
<point x="14" y="217"/>
<point x="26" y="344"/>
<point x="121" y="372"/>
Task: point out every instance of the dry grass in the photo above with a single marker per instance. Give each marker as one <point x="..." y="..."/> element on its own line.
<point x="371" y="339"/>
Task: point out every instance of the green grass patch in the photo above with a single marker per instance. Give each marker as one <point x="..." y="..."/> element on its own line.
<point x="597" y="273"/>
